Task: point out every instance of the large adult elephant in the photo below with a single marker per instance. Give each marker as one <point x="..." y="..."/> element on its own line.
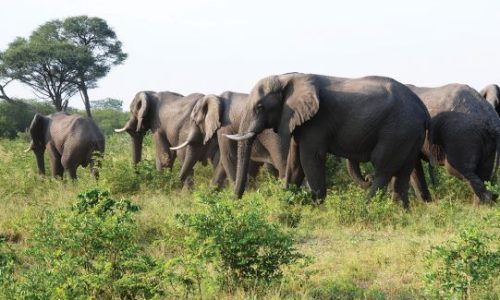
<point x="492" y="94"/>
<point x="373" y="119"/>
<point x="166" y="115"/>
<point x="214" y="116"/>
<point x="70" y="140"/>
<point x="465" y="136"/>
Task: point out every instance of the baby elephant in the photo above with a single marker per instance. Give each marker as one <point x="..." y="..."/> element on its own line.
<point x="70" y="139"/>
<point x="466" y="146"/>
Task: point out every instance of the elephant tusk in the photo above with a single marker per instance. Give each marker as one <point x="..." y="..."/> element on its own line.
<point x="180" y="146"/>
<point x="121" y="130"/>
<point x="27" y="150"/>
<point x="237" y="137"/>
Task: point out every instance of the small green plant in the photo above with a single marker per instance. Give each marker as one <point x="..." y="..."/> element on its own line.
<point x="237" y="239"/>
<point x="89" y="251"/>
<point x="467" y="262"/>
<point x="351" y="207"/>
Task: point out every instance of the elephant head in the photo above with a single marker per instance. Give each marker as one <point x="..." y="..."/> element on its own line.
<point x="140" y="121"/>
<point x="492" y="94"/>
<point x="205" y="120"/>
<point x="38" y="132"/>
<point x="282" y="102"/>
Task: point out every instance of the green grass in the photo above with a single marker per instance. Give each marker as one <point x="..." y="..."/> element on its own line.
<point x="356" y="251"/>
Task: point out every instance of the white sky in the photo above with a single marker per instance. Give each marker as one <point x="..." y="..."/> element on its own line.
<point x="211" y="46"/>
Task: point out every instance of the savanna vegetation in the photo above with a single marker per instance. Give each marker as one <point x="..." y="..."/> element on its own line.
<point x="137" y="234"/>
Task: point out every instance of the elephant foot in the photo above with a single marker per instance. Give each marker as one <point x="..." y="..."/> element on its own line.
<point x="486" y="198"/>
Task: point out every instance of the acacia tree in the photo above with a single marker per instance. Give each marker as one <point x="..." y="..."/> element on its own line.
<point x="47" y="66"/>
<point x="93" y="35"/>
<point x="63" y="57"/>
<point x="4" y="81"/>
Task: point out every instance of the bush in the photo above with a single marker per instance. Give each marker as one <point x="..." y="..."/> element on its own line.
<point x="236" y="237"/>
<point x="467" y="262"/>
<point x="351" y="207"/>
<point x="16" y="117"/>
<point x="89" y="251"/>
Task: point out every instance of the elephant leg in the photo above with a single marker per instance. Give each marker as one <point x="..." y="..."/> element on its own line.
<point x="219" y="176"/>
<point x="70" y="165"/>
<point x="272" y="170"/>
<point x="391" y="158"/>
<point x="165" y="158"/>
<point x="55" y="163"/>
<point x="313" y="162"/>
<point x="419" y="183"/>
<point x="463" y="165"/>
<point x="228" y="154"/>
<point x="294" y="172"/>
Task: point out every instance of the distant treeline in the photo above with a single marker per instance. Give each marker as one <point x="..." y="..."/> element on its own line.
<point x="16" y="117"/>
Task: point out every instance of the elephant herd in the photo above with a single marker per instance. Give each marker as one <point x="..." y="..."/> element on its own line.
<point x="290" y="122"/>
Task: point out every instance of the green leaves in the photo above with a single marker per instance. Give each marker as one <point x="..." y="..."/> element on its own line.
<point x="237" y="238"/>
<point x="464" y="263"/>
<point x="62" y="57"/>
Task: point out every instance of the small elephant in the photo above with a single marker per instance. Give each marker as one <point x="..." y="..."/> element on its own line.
<point x="373" y="119"/>
<point x="492" y="94"/>
<point x="212" y="117"/>
<point x="166" y="114"/>
<point x="71" y="141"/>
<point x="466" y="147"/>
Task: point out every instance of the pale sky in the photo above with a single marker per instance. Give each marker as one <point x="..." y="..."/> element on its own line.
<point x="210" y="46"/>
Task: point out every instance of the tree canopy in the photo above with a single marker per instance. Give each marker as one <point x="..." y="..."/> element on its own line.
<point x="63" y="57"/>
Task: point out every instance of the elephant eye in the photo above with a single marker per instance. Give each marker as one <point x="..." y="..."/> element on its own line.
<point x="259" y="107"/>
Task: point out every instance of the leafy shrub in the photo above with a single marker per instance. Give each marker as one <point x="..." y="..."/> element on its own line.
<point x="351" y="207"/>
<point x="467" y="262"/>
<point x="109" y="119"/>
<point x="89" y="251"/>
<point x="16" y="117"/>
<point x="7" y="259"/>
<point x="235" y="236"/>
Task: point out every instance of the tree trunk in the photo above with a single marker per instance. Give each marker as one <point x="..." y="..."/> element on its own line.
<point x="57" y="100"/>
<point x="86" y="100"/>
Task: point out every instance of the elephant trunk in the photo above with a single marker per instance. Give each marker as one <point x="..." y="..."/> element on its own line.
<point x="137" y="139"/>
<point x="244" y="151"/>
<point x="40" y="162"/>
<point x="189" y="162"/>
<point x="194" y="143"/>
<point x="355" y="172"/>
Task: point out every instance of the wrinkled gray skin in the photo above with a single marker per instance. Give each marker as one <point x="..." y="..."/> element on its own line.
<point x="214" y="116"/>
<point x="465" y="137"/>
<point x="167" y="115"/>
<point x="492" y="94"/>
<point x="70" y="141"/>
<point x="373" y="119"/>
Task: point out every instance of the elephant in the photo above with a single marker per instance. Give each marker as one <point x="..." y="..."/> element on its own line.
<point x="71" y="141"/>
<point x="166" y="114"/>
<point x="464" y="137"/>
<point x="492" y="94"/>
<point x="213" y="116"/>
<point x="372" y="118"/>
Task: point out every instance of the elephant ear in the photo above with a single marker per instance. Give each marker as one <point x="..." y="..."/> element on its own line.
<point x="206" y="114"/>
<point x="301" y="102"/>
<point x="37" y="130"/>
<point x="141" y="107"/>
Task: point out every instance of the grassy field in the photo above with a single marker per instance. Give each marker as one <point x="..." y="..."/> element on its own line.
<point x="343" y="249"/>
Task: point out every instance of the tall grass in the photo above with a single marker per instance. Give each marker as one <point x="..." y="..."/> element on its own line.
<point x="354" y="250"/>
